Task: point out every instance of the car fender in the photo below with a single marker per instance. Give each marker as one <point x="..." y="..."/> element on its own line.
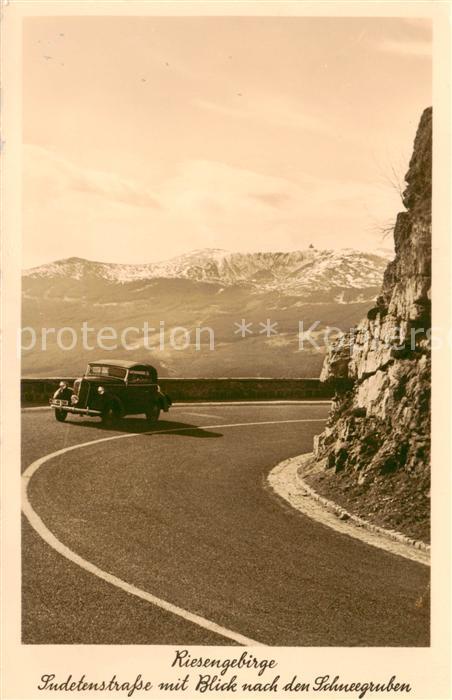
<point x="112" y="399"/>
<point x="64" y="393"/>
<point x="164" y="401"/>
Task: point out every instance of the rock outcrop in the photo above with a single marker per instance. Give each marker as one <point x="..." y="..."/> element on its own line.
<point x="380" y="421"/>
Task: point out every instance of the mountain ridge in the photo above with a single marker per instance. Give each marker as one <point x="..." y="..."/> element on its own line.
<point x="204" y="288"/>
<point x="290" y="271"/>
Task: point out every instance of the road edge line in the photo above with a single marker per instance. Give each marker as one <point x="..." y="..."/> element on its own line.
<point x="285" y="481"/>
<point x="182" y="404"/>
<point x="52" y="541"/>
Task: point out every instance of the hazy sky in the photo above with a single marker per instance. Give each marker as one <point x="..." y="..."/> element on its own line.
<point x="148" y="137"/>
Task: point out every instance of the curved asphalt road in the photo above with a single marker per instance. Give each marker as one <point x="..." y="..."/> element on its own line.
<point x="185" y="516"/>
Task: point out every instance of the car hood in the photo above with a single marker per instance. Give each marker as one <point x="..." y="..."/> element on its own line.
<point x="104" y="380"/>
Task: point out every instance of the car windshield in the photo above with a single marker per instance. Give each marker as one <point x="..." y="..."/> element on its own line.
<point x="106" y="371"/>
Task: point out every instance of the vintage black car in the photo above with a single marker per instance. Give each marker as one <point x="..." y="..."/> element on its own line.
<point x="111" y="389"/>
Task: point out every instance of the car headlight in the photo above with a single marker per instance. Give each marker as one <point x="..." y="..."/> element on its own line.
<point x="74" y="399"/>
<point x="100" y="390"/>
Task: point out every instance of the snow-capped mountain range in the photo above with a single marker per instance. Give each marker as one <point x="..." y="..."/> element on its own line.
<point x="290" y="272"/>
<point x="210" y="288"/>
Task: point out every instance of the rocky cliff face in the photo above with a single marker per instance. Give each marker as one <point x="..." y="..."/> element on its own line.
<point x="379" y="428"/>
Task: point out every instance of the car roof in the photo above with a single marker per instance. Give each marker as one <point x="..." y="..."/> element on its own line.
<point x="126" y="364"/>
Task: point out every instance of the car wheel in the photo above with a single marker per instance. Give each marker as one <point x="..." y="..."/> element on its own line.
<point x="152" y="414"/>
<point x="60" y="415"/>
<point x="110" y="415"/>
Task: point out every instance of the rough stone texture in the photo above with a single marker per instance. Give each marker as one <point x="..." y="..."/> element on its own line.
<point x="379" y="426"/>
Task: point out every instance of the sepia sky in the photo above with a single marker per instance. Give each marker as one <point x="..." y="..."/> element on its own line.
<point x="148" y="137"/>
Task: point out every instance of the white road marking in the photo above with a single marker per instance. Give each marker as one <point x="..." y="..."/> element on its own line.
<point x="48" y="537"/>
<point x="284" y="481"/>
<point x="262" y="402"/>
<point x="182" y="404"/>
<point x="200" y="415"/>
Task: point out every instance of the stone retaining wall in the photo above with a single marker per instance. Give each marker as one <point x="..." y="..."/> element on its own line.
<point x="37" y="391"/>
